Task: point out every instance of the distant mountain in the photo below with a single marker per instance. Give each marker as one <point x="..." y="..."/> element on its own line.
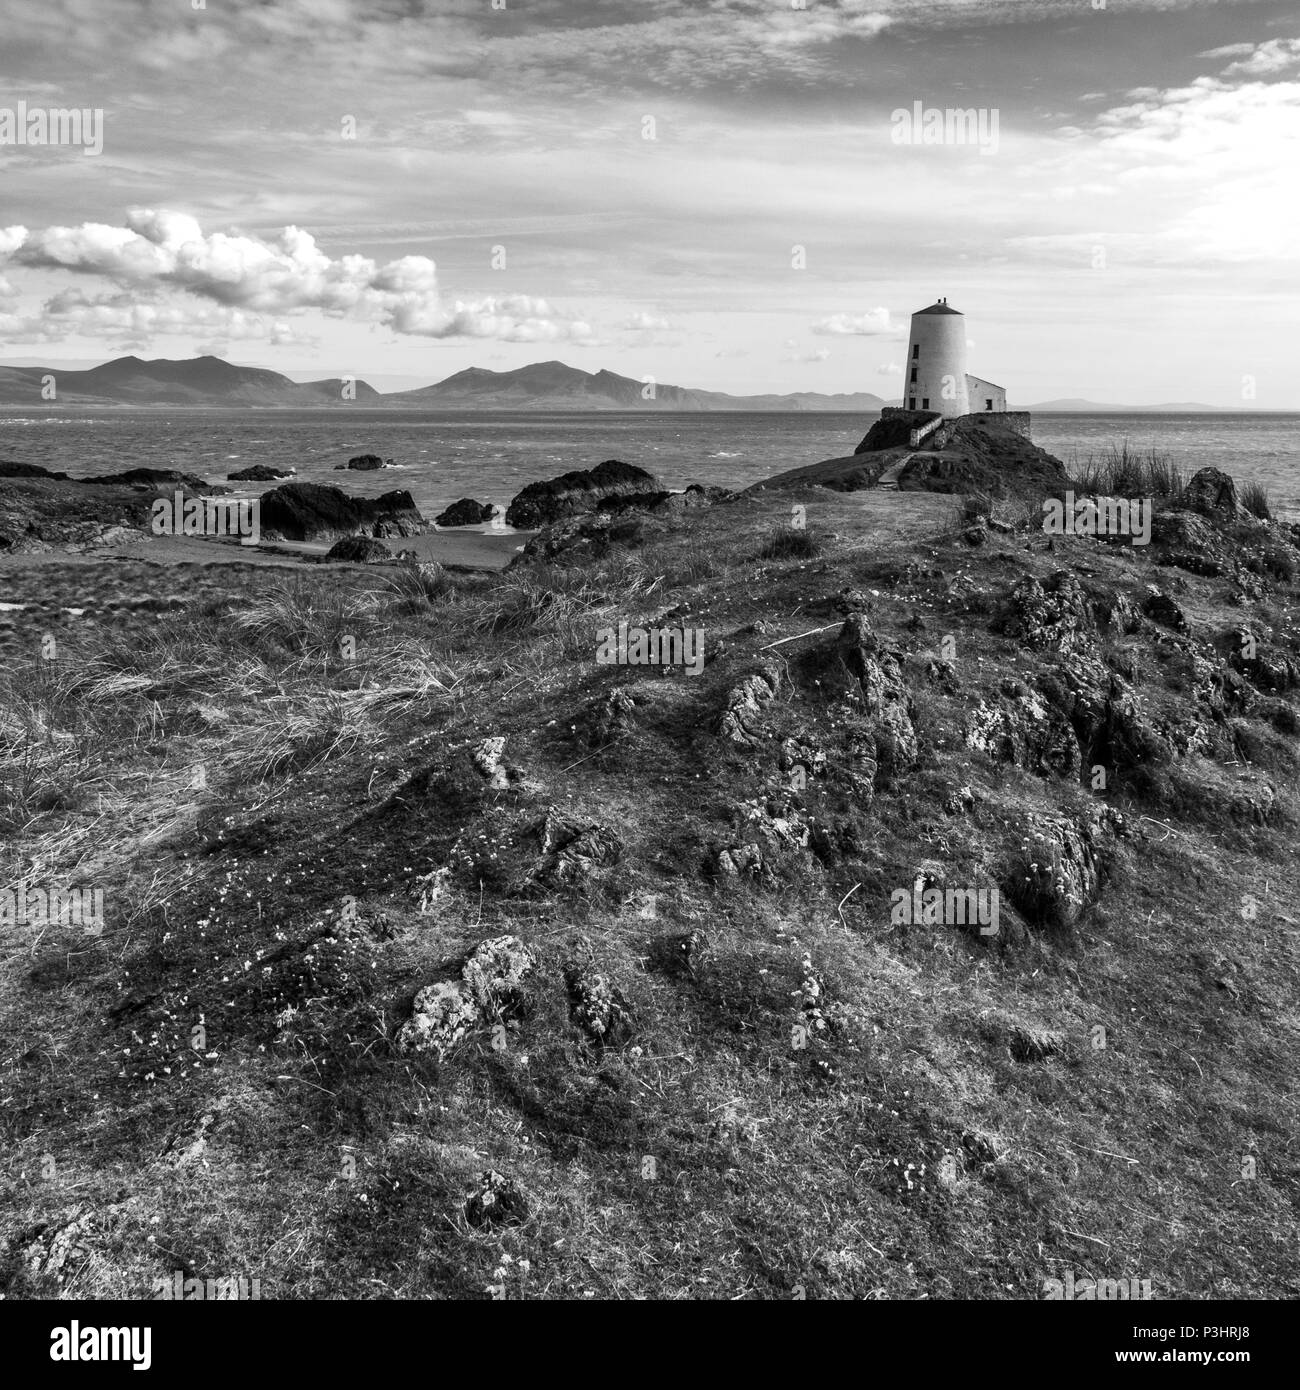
<point x="556" y="386"/>
<point x="207" y="381"/>
<point x="1073" y="405"/>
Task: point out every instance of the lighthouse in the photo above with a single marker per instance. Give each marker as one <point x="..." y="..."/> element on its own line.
<point x="937" y="379"/>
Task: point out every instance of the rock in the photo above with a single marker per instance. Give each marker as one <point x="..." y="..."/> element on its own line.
<point x="497" y="1201"/>
<point x="309" y="511"/>
<point x="744" y="704"/>
<point x="1027" y="731"/>
<point x="1059" y="870"/>
<point x="540" y="504"/>
<point x="490" y="986"/>
<point x="581" y="538"/>
<point x="362" y="550"/>
<point x="886" y="700"/>
<point x="1052" y="616"/>
<point x="158" y="477"/>
<point x="606" y="719"/>
<point x="259" y="473"/>
<point x="10" y="469"/>
<point x="598" y="1008"/>
<point x="1162" y="609"/>
<point x="573" y="852"/>
<point x="1212" y="493"/>
<point x="466" y="512"/>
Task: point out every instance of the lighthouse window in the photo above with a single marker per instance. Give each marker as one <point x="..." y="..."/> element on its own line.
<point x="916" y="351"/>
<point x="913" y="375"/>
<point x="925" y="403"/>
<point x="911" y="403"/>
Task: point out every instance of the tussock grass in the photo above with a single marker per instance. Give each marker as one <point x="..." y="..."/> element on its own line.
<point x="1123" y="470"/>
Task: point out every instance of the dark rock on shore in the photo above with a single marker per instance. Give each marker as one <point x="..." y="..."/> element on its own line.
<point x="310" y="511"/>
<point x="466" y="512"/>
<point x="10" y="469"/>
<point x="259" y="473"/>
<point x="362" y="550"/>
<point x="157" y="477"/>
<point x="577" y="492"/>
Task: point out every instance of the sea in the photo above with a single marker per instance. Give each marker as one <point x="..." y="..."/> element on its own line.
<point x="442" y="456"/>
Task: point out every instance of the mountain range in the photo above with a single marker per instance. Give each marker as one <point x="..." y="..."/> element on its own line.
<point x="210" y="381"/>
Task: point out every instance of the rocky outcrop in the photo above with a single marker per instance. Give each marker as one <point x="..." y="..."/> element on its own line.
<point x="1022" y="728"/>
<point x="359" y="550"/>
<point x="466" y="512"/>
<point x="259" y="473"/>
<point x="309" y="511"/>
<point x="158" y="478"/>
<point x="1054" y="615"/>
<point x="1059" y="870"/>
<point x="580" y="491"/>
<point x="581" y="538"/>
<point x="10" y="469"/>
<point x="1212" y="493"/>
<point x="744" y="705"/>
<point x="490" y="988"/>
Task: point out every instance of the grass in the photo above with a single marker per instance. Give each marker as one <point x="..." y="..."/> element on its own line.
<point x="953" y="1129"/>
<point x="1123" y="470"/>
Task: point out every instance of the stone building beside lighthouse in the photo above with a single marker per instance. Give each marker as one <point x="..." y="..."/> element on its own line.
<point x="936" y="377"/>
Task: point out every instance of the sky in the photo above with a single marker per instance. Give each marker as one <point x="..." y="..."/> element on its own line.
<point x="721" y="194"/>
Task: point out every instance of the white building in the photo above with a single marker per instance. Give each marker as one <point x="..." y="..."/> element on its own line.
<point x="937" y="378"/>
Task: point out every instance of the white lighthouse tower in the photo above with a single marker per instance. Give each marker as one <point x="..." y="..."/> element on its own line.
<point x="937" y="379"/>
<point x="936" y="362"/>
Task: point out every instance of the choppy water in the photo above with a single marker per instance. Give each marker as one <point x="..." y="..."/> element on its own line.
<point x="444" y="455"/>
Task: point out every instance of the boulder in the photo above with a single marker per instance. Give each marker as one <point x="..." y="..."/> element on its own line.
<point x="490" y="986"/>
<point x="466" y="512"/>
<point x="577" y="492"/>
<point x="259" y="473"/>
<point x="360" y="550"/>
<point x="309" y="511"/>
<point x="1212" y="493"/>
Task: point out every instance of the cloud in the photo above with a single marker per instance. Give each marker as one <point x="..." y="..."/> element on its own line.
<point x="283" y="274"/>
<point x="889" y="369"/>
<point x="871" y="324"/>
<point x="1274" y="56"/>
<point x="11" y="238"/>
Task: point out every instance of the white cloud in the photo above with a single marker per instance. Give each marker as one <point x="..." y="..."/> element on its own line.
<point x="11" y="238"/>
<point x="284" y="274"/>
<point x="889" y="369"/>
<point x="871" y="324"/>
